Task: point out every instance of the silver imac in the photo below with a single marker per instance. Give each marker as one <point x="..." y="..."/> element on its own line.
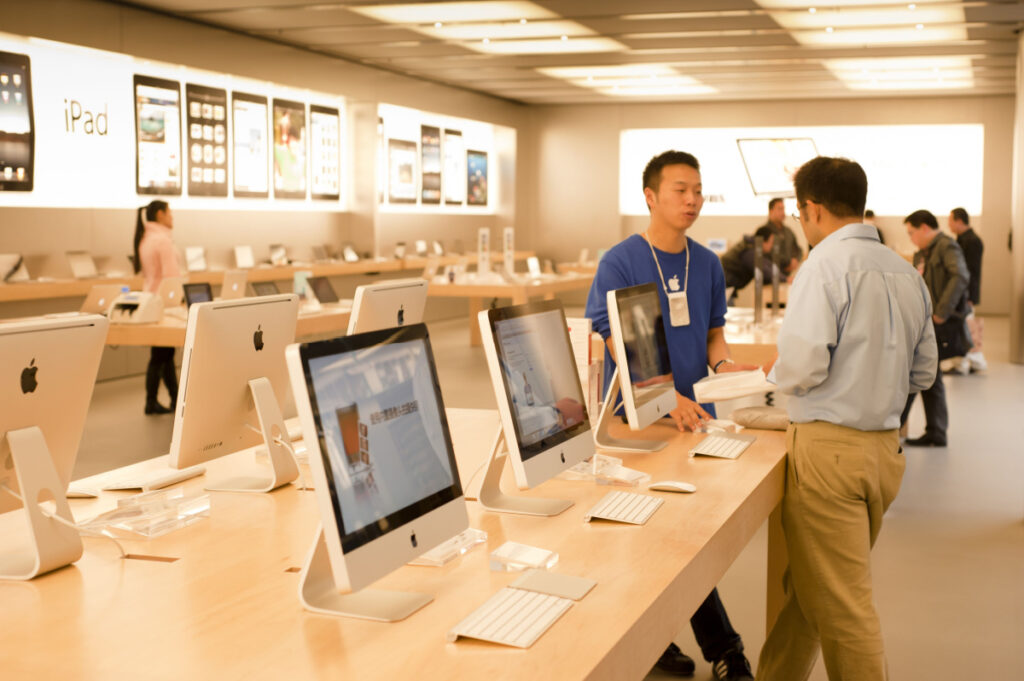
<point x="643" y="372"/>
<point x="100" y="298"/>
<point x="387" y="304"/>
<point x="384" y="471"/>
<point x="536" y="384"/>
<point x="47" y="372"/>
<point x="233" y="383"/>
<point x="233" y="285"/>
<point x="171" y="291"/>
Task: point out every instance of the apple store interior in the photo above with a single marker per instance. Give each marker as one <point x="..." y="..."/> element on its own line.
<point x="309" y="314"/>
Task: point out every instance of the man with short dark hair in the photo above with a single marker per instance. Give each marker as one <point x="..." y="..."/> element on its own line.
<point x="972" y="247"/>
<point x="941" y="263"/>
<point x="855" y="341"/>
<point x="738" y="261"/>
<point x="690" y="275"/>
<point x="786" y="251"/>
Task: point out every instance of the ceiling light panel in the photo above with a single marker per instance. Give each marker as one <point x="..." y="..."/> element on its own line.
<point x="882" y="36"/>
<point x="551" y="46"/>
<point x="511" y="30"/>
<point x="909" y="73"/>
<point x="454" y="12"/>
<point x="867" y="22"/>
<point x="630" y="80"/>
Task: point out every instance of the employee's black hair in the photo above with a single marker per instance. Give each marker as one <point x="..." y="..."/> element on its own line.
<point x="652" y="173"/>
<point x="765" y="232"/>
<point x="838" y="184"/>
<point x="922" y="217"/>
<point x="771" y="204"/>
<point x="961" y="215"/>
<point x="869" y="213"/>
<point x="150" y="212"/>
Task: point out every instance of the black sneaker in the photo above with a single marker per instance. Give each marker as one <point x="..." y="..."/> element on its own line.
<point x="732" y="666"/>
<point x="925" y="441"/>
<point x="675" y="661"/>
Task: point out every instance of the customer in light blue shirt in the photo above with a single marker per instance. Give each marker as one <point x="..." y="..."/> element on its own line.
<point x="856" y="340"/>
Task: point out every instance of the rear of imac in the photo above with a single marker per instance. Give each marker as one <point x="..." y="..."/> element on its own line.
<point x="82" y="265"/>
<point x="233" y="285"/>
<point x="384" y="471"/>
<point x="390" y="303"/>
<point x="537" y="388"/>
<point x="47" y="372"/>
<point x="233" y="370"/>
<point x="171" y="291"/>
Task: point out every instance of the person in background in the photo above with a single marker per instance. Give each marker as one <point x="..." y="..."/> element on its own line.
<point x="869" y="219"/>
<point x="847" y="371"/>
<point x="970" y="243"/>
<point x="690" y="276"/>
<point x="738" y="261"/>
<point x="786" y="251"/>
<point x="156" y="258"/>
<point x="942" y="265"/>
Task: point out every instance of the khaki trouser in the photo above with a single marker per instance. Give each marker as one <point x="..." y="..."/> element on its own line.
<point x="839" y="482"/>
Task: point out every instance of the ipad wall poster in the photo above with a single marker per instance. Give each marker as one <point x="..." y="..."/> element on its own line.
<point x="325" y="152"/>
<point x="430" y="154"/>
<point x="17" y="136"/>
<point x="454" y="168"/>
<point x="401" y="171"/>
<point x="157" y="136"/>
<point x="250" y="148"/>
<point x="289" y="149"/>
<point x="476" y="175"/>
<point x="207" y="140"/>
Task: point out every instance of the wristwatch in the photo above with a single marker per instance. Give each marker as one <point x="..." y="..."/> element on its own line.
<point x="720" y="362"/>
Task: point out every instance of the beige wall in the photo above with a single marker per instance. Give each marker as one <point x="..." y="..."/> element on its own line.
<point x="1016" y="280"/>
<point x="577" y="148"/>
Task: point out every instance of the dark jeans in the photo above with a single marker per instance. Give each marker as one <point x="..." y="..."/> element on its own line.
<point x="936" y="415"/>
<point x="712" y="629"/>
<point x="161" y="365"/>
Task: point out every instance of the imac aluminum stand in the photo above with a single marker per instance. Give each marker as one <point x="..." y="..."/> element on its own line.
<point x="53" y="544"/>
<point x="607" y="443"/>
<point x="282" y="462"/>
<point x="492" y="498"/>
<point x="319" y="593"/>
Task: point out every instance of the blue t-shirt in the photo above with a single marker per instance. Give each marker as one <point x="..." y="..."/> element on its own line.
<point x="630" y="263"/>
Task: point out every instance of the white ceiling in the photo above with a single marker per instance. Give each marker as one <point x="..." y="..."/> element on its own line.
<point x="673" y="49"/>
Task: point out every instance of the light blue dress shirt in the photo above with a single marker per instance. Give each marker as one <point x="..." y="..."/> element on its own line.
<point x="857" y="337"/>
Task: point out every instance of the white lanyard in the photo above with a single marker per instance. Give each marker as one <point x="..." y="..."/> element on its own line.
<point x="679" y="309"/>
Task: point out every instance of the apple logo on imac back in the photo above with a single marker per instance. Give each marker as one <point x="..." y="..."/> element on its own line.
<point x="28" y="377"/>
<point x="257" y="338"/>
<point x="401" y="315"/>
<point x="412" y="540"/>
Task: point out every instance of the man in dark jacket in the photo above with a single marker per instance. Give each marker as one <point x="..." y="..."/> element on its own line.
<point x="738" y="261"/>
<point x="970" y="244"/>
<point x="941" y="263"/>
<point x="786" y="251"/>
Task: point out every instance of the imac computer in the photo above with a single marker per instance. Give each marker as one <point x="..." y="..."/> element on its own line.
<point x="383" y="466"/>
<point x="47" y="372"/>
<point x="322" y="290"/>
<point x="233" y="286"/>
<point x="264" y="288"/>
<point x="643" y="373"/>
<point x="544" y="420"/>
<point x="100" y="298"/>
<point x="232" y="375"/>
<point x="171" y="291"/>
<point x="390" y="303"/>
<point x="197" y="293"/>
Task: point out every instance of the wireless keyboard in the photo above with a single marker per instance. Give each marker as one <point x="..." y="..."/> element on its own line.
<point x="624" y="507"/>
<point x="512" y="617"/>
<point x="723" y="445"/>
<point x="154" y="479"/>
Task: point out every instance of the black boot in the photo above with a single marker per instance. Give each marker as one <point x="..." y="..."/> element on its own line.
<point x="152" y="385"/>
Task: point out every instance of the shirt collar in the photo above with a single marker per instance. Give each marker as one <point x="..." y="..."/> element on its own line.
<point x="855" y="230"/>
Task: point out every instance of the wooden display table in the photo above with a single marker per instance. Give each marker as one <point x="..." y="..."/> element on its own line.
<point x="225" y="602"/>
<point x="752" y="343"/>
<point x="519" y="292"/>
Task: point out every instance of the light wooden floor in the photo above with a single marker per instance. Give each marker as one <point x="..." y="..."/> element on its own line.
<point x="949" y="565"/>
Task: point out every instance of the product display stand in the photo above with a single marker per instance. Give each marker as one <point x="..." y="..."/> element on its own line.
<point x="604" y="441"/>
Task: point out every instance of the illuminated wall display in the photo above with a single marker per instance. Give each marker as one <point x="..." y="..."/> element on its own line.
<point x="454" y="165"/>
<point x="69" y="136"/>
<point x="430" y="146"/>
<point x="476" y="178"/>
<point x="742" y="168"/>
<point x="401" y="171"/>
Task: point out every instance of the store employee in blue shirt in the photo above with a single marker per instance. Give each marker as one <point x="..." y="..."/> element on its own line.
<point x="856" y="340"/>
<point x="692" y="291"/>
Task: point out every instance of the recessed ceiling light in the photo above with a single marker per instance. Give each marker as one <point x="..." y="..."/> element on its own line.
<point x="812" y="10"/>
<point x="522" y="21"/>
<point x="548" y="46"/>
<point x="911" y="7"/>
<point x="829" y="29"/>
<point x="487" y="41"/>
<point x="919" y="26"/>
<point x="426" y="13"/>
<point x="438" y="24"/>
<point x="507" y="31"/>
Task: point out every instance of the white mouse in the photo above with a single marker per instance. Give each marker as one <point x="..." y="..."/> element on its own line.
<point x="672" y="486"/>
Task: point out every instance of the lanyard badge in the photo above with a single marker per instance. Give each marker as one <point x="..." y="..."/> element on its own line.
<point x="678" y="307"/>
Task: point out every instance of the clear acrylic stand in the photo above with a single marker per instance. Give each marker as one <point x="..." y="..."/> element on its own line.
<point x="319" y="593"/>
<point x="491" y="496"/>
<point x="53" y="544"/>
<point x="602" y="437"/>
<point x="282" y="464"/>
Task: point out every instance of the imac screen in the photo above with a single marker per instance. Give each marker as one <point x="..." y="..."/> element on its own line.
<point x="289" y="149"/>
<point x="16" y="133"/>
<point x="643" y="335"/>
<point x="249" y="131"/>
<point x="541" y="381"/>
<point x="157" y="135"/>
<point x="207" y="146"/>
<point x="382" y="432"/>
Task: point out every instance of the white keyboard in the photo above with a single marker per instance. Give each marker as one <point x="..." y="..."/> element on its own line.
<point x="154" y="479"/>
<point x="723" y="445"/>
<point x="625" y="507"/>
<point x="512" y="617"/>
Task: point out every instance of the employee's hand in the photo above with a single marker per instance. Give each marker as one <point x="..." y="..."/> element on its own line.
<point x="688" y="415"/>
<point x="938" y="320"/>
<point x="570" y="412"/>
